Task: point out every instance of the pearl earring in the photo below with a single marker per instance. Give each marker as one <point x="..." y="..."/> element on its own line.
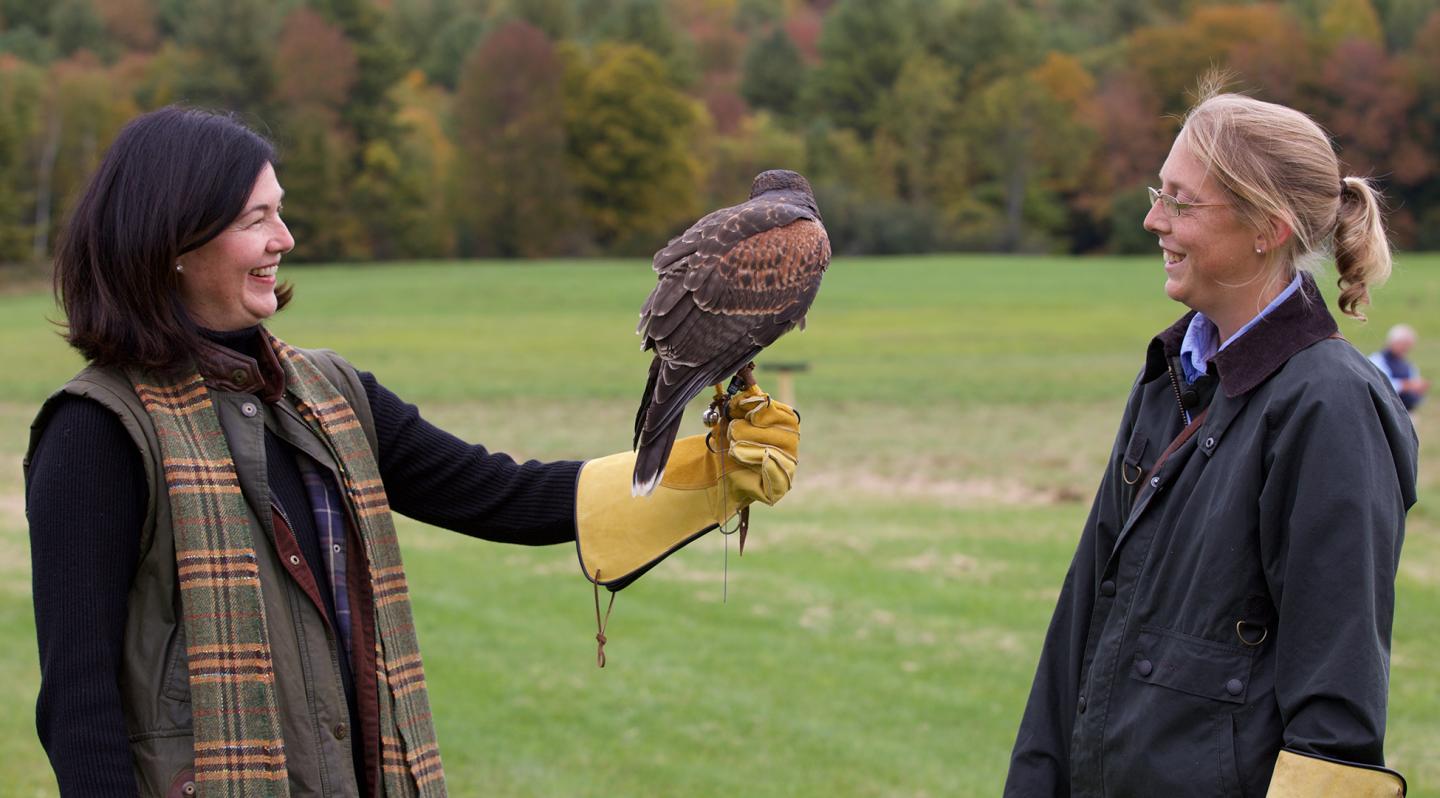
<point x="180" y="267"/>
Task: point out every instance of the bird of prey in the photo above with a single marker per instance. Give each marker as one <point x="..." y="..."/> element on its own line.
<point x="728" y="287"/>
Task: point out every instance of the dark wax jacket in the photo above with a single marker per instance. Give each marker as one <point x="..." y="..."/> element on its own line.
<point x="114" y="711"/>
<point x="1239" y="599"/>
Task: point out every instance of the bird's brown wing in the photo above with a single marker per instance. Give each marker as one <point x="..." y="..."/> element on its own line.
<point x="750" y="259"/>
<point x="729" y="286"/>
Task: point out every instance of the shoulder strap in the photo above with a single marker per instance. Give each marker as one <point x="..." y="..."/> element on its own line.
<point x="1185" y="435"/>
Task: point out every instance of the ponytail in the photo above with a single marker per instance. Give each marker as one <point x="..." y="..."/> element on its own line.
<point x="1362" y="251"/>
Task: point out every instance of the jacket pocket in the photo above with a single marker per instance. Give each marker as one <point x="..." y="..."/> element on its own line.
<point x="1225" y="748"/>
<point x="1192" y="665"/>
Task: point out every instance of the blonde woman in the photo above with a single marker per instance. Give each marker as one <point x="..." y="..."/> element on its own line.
<point x="1225" y="625"/>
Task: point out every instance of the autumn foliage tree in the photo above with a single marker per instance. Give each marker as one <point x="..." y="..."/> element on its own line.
<point x="532" y="128"/>
<point x="629" y="132"/>
<point x="517" y="195"/>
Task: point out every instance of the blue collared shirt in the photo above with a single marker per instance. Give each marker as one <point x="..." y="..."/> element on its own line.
<point x="1202" y="336"/>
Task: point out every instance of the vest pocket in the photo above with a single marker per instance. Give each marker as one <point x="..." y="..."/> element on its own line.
<point x="183" y="785"/>
<point x="176" y="683"/>
<point x="162" y="760"/>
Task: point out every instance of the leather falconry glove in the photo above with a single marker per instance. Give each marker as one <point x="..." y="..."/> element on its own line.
<point x="1306" y="776"/>
<point x="620" y="536"/>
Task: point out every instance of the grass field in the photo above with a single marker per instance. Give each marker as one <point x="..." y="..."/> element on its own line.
<point x="882" y="629"/>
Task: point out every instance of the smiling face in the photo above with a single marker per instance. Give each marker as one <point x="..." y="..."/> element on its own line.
<point x="1210" y="260"/>
<point x="229" y="283"/>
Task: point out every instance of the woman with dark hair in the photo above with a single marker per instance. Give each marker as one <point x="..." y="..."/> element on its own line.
<point x="219" y="596"/>
<point x="1225" y="625"/>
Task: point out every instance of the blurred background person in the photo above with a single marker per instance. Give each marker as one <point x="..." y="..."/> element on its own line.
<point x="1401" y="372"/>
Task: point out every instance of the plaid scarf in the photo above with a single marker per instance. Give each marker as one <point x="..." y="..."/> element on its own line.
<point x="239" y="748"/>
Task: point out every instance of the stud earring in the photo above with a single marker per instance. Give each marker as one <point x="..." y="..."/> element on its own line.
<point x="179" y="267"/>
<point x="1259" y="251"/>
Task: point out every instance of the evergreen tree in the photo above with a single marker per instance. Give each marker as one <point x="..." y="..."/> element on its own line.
<point x="234" y="46"/>
<point x="773" y="73"/>
<point x="862" y="47"/>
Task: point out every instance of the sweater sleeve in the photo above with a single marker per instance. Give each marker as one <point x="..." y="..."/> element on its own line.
<point x="434" y="477"/>
<point x="86" y="503"/>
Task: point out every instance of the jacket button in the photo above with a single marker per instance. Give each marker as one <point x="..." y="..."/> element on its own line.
<point x="1082" y="705"/>
<point x="341" y="731"/>
<point x="1154" y="482"/>
<point x="239" y="377"/>
<point x="249" y="409"/>
<point x="1107" y="588"/>
<point x="1144" y="667"/>
<point x="1209" y="443"/>
<point x="294" y="559"/>
<point x="1234" y="687"/>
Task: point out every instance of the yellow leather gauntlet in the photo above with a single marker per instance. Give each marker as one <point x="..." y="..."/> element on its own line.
<point x="1304" y="776"/>
<point x="620" y="536"/>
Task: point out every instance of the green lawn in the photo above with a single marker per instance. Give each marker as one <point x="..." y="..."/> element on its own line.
<point x="881" y="630"/>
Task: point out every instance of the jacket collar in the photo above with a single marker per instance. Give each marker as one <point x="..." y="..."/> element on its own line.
<point x="1297" y="323"/>
<point x="228" y="370"/>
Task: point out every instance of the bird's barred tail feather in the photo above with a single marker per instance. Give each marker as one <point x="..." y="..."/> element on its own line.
<point x="650" y="460"/>
<point x="645" y="399"/>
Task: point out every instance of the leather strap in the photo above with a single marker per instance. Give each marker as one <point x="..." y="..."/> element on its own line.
<point x="601" y="623"/>
<point x="1185" y="435"/>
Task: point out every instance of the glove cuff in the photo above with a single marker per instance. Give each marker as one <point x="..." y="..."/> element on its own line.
<point x="1299" y="775"/>
<point x="619" y="536"/>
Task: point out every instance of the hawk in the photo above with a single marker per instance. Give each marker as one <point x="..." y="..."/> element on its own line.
<point x="729" y="286"/>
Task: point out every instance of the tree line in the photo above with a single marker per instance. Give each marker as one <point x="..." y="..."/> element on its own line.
<point x="537" y="128"/>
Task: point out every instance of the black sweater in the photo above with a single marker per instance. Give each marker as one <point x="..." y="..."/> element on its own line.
<point x="86" y="505"/>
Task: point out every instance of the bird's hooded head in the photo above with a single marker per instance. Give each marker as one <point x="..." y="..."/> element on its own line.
<point x="781" y="180"/>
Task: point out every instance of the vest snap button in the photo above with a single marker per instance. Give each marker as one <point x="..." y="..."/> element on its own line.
<point x="238" y="376"/>
<point x="1154" y="482"/>
<point x="188" y="788"/>
<point x="294" y="559"/>
<point x="249" y="410"/>
<point x="341" y="731"/>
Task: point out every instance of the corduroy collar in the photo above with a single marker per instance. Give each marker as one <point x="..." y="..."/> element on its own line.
<point x="1250" y="360"/>
<point x="226" y="369"/>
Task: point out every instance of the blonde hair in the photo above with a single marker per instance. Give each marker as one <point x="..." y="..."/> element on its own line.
<point x="1277" y="164"/>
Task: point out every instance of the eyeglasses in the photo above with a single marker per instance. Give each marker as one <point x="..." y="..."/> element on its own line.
<point x="1175" y="207"/>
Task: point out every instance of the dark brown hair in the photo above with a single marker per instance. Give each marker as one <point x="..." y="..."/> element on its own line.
<point x="171" y="182"/>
